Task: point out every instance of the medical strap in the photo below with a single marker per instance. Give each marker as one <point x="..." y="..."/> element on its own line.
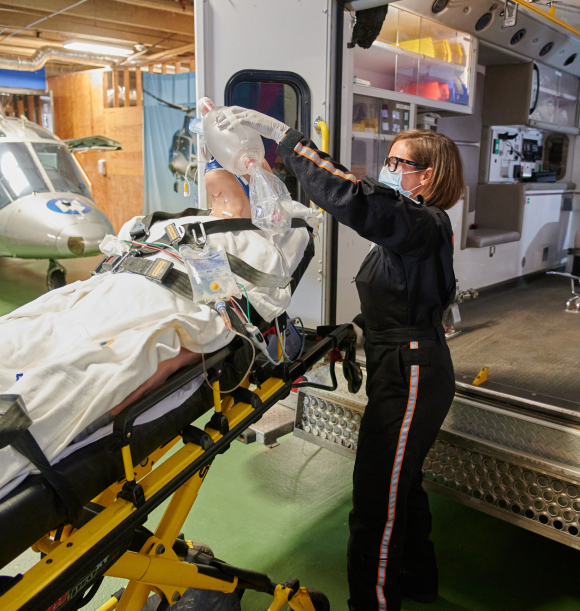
<point x="154" y="269"/>
<point x="25" y="444"/>
<point x="196" y="233"/>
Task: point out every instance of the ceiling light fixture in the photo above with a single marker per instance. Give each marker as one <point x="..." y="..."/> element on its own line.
<point x="90" y="47"/>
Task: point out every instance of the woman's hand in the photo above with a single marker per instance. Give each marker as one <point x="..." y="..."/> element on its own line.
<point x="263" y="124"/>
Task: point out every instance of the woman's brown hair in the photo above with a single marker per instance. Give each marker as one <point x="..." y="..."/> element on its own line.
<point x="433" y="150"/>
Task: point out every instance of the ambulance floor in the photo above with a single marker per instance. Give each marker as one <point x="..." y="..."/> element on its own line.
<point x="285" y="511"/>
<point x="525" y="337"/>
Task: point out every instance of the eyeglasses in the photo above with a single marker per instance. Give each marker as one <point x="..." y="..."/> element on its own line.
<point x="392" y="163"/>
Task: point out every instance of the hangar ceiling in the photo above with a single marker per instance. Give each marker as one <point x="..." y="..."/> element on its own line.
<point x="149" y="30"/>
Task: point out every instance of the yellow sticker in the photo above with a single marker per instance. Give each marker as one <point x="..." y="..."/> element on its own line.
<point x="214" y="286"/>
<point x="171" y="232"/>
<point x="158" y="268"/>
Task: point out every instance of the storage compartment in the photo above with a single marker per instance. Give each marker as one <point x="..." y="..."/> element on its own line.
<point x="539" y="96"/>
<point x="418" y="57"/>
<point x="375" y="122"/>
<point x="499" y="215"/>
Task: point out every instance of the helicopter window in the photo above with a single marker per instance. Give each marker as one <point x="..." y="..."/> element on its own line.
<point x="39" y="131"/>
<point x="59" y="166"/>
<point x="19" y="175"/>
<point x="184" y="143"/>
<point x="4" y="197"/>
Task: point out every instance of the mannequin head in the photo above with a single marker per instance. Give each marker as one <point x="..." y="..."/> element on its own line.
<point x="228" y="196"/>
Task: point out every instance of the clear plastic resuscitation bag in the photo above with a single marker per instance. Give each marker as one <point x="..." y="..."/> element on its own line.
<point x="270" y="201"/>
<point x="209" y="273"/>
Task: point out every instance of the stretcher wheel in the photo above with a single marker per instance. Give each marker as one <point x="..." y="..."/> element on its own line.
<point x="319" y="600"/>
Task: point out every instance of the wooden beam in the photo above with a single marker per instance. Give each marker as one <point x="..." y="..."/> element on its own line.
<point x="171" y="52"/>
<point x="178" y="67"/>
<point x="163" y="68"/>
<point x="162" y="5"/>
<point x="127" y="85"/>
<point x="19" y="107"/>
<point x="139" y="86"/>
<point x="192" y="64"/>
<point x="30" y="42"/>
<point x="76" y="27"/>
<point x="30" y="108"/>
<point x="109" y="11"/>
<point x="116" y="88"/>
<point x="22" y="51"/>
<point x="105" y="88"/>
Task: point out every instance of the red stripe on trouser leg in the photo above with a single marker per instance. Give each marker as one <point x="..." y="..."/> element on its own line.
<point x="401" y="445"/>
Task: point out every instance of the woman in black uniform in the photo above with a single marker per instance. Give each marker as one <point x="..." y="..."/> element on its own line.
<point x="405" y="285"/>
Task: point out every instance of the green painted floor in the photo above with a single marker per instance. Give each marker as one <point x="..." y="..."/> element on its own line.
<point x="284" y="511"/>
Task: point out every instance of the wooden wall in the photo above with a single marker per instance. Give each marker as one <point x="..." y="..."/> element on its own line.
<point x="79" y="111"/>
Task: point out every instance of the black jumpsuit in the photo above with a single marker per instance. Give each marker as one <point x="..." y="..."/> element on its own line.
<point x="405" y="284"/>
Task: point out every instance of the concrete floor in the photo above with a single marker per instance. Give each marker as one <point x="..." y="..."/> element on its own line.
<point x="284" y="511"/>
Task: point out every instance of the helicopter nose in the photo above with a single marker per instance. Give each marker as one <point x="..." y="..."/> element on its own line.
<point x="81" y="239"/>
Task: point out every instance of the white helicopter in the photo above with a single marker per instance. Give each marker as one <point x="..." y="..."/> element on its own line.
<point x="46" y="208"/>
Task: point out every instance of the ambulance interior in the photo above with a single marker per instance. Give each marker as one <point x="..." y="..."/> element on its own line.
<point x="504" y="87"/>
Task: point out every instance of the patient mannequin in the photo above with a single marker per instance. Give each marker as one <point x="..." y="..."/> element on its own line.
<point x="229" y="200"/>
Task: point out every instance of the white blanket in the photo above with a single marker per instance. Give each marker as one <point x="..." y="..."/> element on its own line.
<point x="80" y="350"/>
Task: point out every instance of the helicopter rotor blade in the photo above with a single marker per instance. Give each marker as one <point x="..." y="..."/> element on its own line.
<point x="170" y="104"/>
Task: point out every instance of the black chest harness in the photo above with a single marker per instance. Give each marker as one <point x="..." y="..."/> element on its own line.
<point x="136" y="260"/>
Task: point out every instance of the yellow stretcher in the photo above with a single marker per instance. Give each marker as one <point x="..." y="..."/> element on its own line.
<point x="108" y="538"/>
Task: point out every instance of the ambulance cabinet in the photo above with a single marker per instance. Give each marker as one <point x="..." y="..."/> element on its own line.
<point x="421" y="60"/>
<point x="375" y="122"/>
<point x="531" y="94"/>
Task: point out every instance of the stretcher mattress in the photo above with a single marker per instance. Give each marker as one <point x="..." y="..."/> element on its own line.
<point x="32" y="509"/>
<point x="79" y="351"/>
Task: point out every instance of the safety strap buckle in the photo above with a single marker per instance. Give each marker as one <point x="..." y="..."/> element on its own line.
<point x="139" y="231"/>
<point x="174" y="233"/>
<point x="200" y="240"/>
<point x="158" y="270"/>
<point x="118" y="262"/>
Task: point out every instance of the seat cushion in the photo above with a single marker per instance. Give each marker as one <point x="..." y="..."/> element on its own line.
<point x="482" y="237"/>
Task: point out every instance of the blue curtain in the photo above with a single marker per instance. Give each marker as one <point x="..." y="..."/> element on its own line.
<point x="160" y="124"/>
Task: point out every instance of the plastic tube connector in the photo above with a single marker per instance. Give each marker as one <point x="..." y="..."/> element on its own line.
<point x="205" y="105"/>
<point x="220" y="307"/>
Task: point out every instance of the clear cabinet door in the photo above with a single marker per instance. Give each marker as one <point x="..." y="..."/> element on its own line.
<point x="384" y="145"/>
<point x="419" y="57"/>
<point x="547" y="95"/>
<point x="365" y="114"/>
<point x="393" y="117"/>
<point x="567" y="106"/>
<point x="364" y="160"/>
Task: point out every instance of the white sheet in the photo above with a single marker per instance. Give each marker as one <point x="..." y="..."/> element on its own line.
<point x="85" y="347"/>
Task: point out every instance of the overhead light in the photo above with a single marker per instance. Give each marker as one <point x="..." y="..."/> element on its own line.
<point x="90" y="47"/>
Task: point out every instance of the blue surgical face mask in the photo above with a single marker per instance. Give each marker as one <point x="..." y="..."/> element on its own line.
<point x="393" y="180"/>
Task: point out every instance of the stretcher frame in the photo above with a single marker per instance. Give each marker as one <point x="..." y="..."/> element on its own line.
<point x="76" y="560"/>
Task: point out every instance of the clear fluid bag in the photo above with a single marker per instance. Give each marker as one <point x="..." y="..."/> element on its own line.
<point x="209" y="273"/>
<point x="270" y="201"/>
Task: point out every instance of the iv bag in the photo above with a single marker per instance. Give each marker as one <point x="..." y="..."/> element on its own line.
<point x="209" y="273"/>
<point x="270" y="201"/>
